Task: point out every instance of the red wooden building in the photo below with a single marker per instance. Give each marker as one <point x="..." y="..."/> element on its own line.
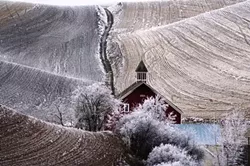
<point x="136" y="93"/>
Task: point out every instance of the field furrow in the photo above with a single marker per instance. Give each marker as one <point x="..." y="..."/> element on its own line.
<point x="26" y="141"/>
<point x="201" y="64"/>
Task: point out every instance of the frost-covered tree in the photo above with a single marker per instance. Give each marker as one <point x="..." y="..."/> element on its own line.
<point x="154" y="106"/>
<point x="94" y="103"/>
<point x="170" y="155"/>
<point x="233" y="130"/>
<point x="61" y="111"/>
<point x="148" y="127"/>
<point x="114" y="117"/>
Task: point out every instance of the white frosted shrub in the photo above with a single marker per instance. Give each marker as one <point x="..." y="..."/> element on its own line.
<point x="154" y="107"/>
<point x="169" y="155"/>
<point x="93" y="104"/>
<point x="145" y="129"/>
<point x="233" y="130"/>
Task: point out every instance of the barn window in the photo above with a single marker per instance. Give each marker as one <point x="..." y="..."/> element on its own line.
<point x="126" y="107"/>
<point x="141" y="77"/>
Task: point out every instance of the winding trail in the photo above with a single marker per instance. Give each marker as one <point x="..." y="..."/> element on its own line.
<point x="103" y="51"/>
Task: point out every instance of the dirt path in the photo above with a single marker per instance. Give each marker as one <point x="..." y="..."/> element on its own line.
<point x="103" y="51"/>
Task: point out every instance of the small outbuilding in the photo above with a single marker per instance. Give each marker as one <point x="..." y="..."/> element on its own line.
<point x="136" y="93"/>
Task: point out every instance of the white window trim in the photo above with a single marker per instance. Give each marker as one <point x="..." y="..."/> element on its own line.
<point x="126" y="107"/>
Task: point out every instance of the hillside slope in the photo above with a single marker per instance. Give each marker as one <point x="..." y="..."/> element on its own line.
<point x="62" y="40"/>
<point x="46" y="52"/>
<point x="37" y="93"/>
<point x="200" y="63"/>
<point x="133" y="16"/>
<point x="26" y="141"/>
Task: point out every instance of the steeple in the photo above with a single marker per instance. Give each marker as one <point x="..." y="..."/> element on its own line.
<point x="141" y="72"/>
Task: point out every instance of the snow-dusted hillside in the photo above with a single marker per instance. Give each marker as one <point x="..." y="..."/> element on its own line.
<point x="198" y="60"/>
<point x="45" y="53"/>
<point x="27" y="141"/>
<point x="62" y="40"/>
<point x="201" y="63"/>
<point x="35" y="92"/>
<point x="130" y="17"/>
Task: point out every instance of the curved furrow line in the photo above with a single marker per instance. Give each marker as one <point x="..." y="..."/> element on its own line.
<point x="55" y="145"/>
<point x="143" y="10"/>
<point x="36" y="92"/>
<point x="194" y="45"/>
<point x="73" y="154"/>
<point x="138" y="15"/>
<point x="131" y="17"/>
<point x="204" y="70"/>
<point x="200" y="38"/>
<point x="235" y="59"/>
<point x="181" y="76"/>
<point x="62" y="40"/>
<point x="25" y="143"/>
<point x="201" y="63"/>
<point x="202" y="49"/>
<point x="75" y="150"/>
<point x="49" y="145"/>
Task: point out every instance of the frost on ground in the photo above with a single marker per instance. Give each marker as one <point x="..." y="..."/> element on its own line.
<point x="28" y="141"/>
<point x="130" y="17"/>
<point x="200" y="63"/>
<point x="46" y="52"/>
<point x="57" y="39"/>
<point x="37" y="93"/>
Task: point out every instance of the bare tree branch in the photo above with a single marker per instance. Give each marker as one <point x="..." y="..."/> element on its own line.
<point x="59" y="116"/>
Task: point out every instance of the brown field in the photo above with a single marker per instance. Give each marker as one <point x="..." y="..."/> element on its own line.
<point x="26" y="141"/>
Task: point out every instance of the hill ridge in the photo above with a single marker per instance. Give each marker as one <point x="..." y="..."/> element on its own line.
<point x="28" y="141"/>
<point x="201" y="64"/>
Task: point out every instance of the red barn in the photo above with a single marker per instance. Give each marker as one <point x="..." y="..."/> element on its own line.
<point x="136" y="93"/>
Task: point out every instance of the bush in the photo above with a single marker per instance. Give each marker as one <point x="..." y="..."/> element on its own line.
<point x="169" y="154"/>
<point x="93" y="104"/>
<point x="144" y="129"/>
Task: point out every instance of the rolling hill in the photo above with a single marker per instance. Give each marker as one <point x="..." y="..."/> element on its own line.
<point x="133" y="16"/>
<point x="200" y="63"/>
<point x="197" y="53"/>
<point x="62" y="40"/>
<point x="28" y="141"/>
<point x="46" y="52"/>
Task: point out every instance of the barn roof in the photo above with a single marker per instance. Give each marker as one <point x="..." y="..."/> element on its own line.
<point x="141" y="67"/>
<point x="135" y="85"/>
<point x="129" y="90"/>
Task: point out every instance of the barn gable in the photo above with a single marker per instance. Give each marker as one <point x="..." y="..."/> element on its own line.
<point x="134" y="86"/>
<point x="136" y="93"/>
<point x="139" y="91"/>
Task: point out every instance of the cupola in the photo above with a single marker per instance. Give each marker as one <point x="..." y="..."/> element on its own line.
<point x="141" y="72"/>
